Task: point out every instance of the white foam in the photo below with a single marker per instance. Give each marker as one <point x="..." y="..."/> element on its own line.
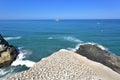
<point x="21" y="59"/>
<point x="100" y="46"/>
<point x="3" y="72"/>
<point x="12" y="38"/>
<point x="27" y="63"/>
<point x="20" y="48"/>
<point x="72" y="39"/>
<point x="6" y="72"/>
<point x="50" y="37"/>
<point x="1" y="46"/>
<point x="78" y="45"/>
<point x="72" y="49"/>
<point x="68" y="38"/>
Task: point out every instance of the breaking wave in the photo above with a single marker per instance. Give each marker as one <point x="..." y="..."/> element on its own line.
<point x="12" y="38"/>
<point x="3" y="72"/>
<point x="50" y="37"/>
<point x="72" y="39"/>
<point x="23" y="54"/>
<point x="67" y="38"/>
<point x="98" y="45"/>
<point x="21" y="59"/>
<point x="78" y="45"/>
<point x="6" y="71"/>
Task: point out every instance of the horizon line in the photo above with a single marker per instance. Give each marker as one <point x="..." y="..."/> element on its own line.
<point x="67" y="19"/>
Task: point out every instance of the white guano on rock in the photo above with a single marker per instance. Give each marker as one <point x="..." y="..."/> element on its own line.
<point x="66" y="65"/>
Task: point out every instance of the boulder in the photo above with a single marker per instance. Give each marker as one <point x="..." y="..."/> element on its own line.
<point x="98" y="54"/>
<point x="8" y="53"/>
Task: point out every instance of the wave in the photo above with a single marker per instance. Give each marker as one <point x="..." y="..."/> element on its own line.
<point x="72" y="39"/>
<point x="92" y="43"/>
<point x="50" y="37"/>
<point x="21" y="59"/>
<point x="5" y="72"/>
<point x="27" y="63"/>
<point x="68" y="38"/>
<point x="12" y="38"/>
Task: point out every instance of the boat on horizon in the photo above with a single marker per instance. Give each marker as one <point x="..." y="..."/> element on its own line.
<point x="57" y="20"/>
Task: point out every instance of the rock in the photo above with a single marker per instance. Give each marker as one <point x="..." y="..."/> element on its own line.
<point x="3" y="44"/>
<point x="66" y="65"/>
<point x="8" y="53"/>
<point x="97" y="54"/>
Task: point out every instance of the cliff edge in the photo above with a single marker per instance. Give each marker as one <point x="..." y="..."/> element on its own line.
<point x="66" y="65"/>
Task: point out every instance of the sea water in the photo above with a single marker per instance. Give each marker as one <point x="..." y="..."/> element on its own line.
<point x="37" y="39"/>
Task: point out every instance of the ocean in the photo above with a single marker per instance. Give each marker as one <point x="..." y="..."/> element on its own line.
<point x="37" y="39"/>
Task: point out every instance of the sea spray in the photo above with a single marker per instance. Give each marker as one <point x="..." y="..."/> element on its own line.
<point x="21" y="59"/>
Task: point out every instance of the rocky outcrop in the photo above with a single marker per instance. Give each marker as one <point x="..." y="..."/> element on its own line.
<point x="8" y="53"/>
<point x="66" y="65"/>
<point x="98" y="54"/>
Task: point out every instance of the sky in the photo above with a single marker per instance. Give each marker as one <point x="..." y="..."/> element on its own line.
<point x="59" y="9"/>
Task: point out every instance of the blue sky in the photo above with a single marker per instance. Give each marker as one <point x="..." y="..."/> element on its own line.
<point x="63" y="9"/>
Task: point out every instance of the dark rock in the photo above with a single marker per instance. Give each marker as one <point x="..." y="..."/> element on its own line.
<point x="3" y="44"/>
<point x="2" y="41"/>
<point x="8" y="53"/>
<point x="97" y="54"/>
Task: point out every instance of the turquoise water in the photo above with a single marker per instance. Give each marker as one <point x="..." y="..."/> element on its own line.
<point x="40" y="38"/>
